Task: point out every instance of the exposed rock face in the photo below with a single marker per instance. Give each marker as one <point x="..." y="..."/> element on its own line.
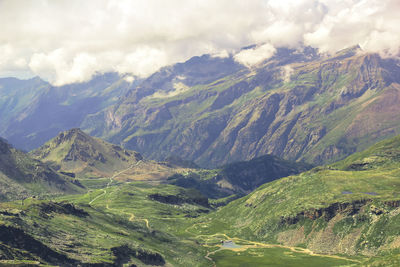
<point x="62" y="208"/>
<point x="326" y="109"/>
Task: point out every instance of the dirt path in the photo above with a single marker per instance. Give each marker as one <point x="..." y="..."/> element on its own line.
<point x="210" y="259"/>
<point x="104" y="192"/>
<point x="112" y="179"/>
<point x="131" y="215"/>
<point x="132" y="218"/>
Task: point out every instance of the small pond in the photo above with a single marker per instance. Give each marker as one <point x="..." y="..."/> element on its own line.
<point x="230" y="244"/>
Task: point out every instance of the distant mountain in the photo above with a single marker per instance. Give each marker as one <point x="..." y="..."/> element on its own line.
<point x="33" y="111"/>
<point x="350" y="207"/>
<point x="238" y="178"/>
<point x="295" y="105"/>
<point x="78" y="154"/>
<point x="22" y="176"/>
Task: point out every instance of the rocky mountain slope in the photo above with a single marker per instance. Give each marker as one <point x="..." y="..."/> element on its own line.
<point x="298" y="106"/>
<point x="22" y="176"/>
<point x="351" y="207"/>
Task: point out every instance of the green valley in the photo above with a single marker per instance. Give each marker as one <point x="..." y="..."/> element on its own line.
<point x="345" y="213"/>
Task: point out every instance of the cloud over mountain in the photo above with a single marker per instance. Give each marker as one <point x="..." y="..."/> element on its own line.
<point x="69" y="40"/>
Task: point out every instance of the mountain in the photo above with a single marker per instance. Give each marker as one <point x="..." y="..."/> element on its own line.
<point x="239" y="178"/>
<point x="75" y="153"/>
<point x="295" y="105"/>
<point x="33" y="111"/>
<point x="22" y="176"/>
<point x="351" y="207"/>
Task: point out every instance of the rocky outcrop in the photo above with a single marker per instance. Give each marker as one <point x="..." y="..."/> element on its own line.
<point x="347" y="208"/>
<point x="17" y="238"/>
<point x="124" y="253"/>
<point x="62" y="208"/>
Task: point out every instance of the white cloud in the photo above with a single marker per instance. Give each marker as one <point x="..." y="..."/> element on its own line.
<point x="253" y="56"/>
<point x="129" y="78"/>
<point x="286" y="73"/>
<point x="67" y="41"/>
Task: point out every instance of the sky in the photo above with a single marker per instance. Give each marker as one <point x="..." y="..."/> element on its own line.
<point x="67" y="41"/>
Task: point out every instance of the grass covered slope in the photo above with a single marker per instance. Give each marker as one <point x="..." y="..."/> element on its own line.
<point x="22" y="176"/>
<point x="131" y="224"/>
<point x="128" y="224"/>
<point x="338" y="209"/>
<point x="238" y="178"/>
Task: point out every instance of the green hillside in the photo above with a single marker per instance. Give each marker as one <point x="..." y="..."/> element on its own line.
<point x="22" y="176"/>
<point x="134" y="224"/>
<point x="239" y="178"/>
<point x="335" y="215"/>
<point x="351" y="207"/>
<point x="111" y="227"/>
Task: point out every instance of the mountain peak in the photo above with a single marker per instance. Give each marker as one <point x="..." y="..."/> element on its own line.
<point x="75" y="151"/>
<point x="72" y="134"/>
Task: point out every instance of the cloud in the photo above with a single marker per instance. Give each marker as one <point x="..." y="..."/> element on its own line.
<point x="253" y="56"/>
<point x="286" y="73"/>
<point x="68" y="41"/>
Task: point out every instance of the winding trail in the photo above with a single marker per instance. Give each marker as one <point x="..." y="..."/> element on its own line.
<point x="132" y="218"/>
<point x="112" y="179"/>
<point x="131" y="215"/>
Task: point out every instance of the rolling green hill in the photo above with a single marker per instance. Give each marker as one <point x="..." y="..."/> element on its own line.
<point x="22" y="176"/>
<point x="351" y="207"/>
<point x="132" y="223"/>
<point x="346" y="213"/>
<point x="298" y="106"/>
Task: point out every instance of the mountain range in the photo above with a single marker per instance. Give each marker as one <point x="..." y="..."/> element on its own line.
<point x="297" y="106"/>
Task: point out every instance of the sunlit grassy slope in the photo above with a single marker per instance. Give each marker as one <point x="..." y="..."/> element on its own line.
<point x="351" y="207"/>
